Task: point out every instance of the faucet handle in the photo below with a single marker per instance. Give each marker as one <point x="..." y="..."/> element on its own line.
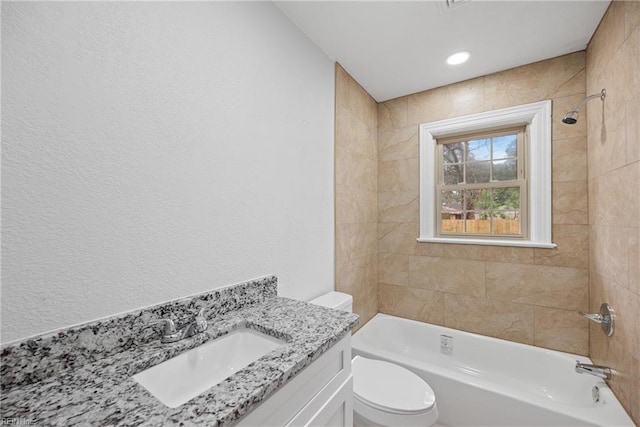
<point x="606" y="318"/>
<point x="169" y="326"/>
<point x="200" y="322"/>
<point x="595" y="317"/>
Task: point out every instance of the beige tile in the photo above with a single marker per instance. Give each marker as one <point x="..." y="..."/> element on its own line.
<point x="355" y="170"/>
<point x="342" y="86"/>
<point x="412" y="303"/>
<point x="397" y="238"/>
<point x="458" y="99"/>
<point x="429" y="249"/>
<point x="507" y="254"/>
<point x="422" y="108"/>
<point x="622" y="363"/>
<point x="606" y="40"/>
<point x="547" y="286"/>
<point x="615" y="200"/>
<point x="634" y="409"/>
<point x="464" y="98"/>
<point x="362" y="104"/>
<point x="513" y="322"/>
<point x="634" y="261"/>
<point x="394" y="269"/>
<point x="574" y="86"/>
<point x="401" y="206"/>
<point x="569" y="159"/>
<point x="488" y="253"/>
<point x="563" y="330"/>
<point x="610" y="253"/>
<point x="557" y="77"/>
<point x="618" y="81"/>
<point x="620" y="351"/>
<point x="570" y="202"/>
<point x="513" y="87"/>
<point x="607" y="150"/>
<point x="597" y="292"/>
<point x="631" y="17"/>
<point x="354" y="134"/>
<point x="626" y="304"/>
<point x="355" y="240"/>
<point x="354" y="205"/>
<point x="399" y="175"/>
<point x="359" y="278"/>
<point x="447" y="275"/>
<point x="633" y="129"/>
<point x="392" y="114"/>
<point x="595" y="209"/>
<point x="471" y="252"/>
<point x="572" y="247"/>
<point x="399" y="144"/>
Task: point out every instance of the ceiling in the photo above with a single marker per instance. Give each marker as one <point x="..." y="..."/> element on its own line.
<point x="395" y="48"/>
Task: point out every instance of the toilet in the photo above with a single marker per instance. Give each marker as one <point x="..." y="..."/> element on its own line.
<point x="384" y="394"/>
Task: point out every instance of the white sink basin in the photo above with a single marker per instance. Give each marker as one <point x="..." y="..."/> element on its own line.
<point x="193" y="372"/>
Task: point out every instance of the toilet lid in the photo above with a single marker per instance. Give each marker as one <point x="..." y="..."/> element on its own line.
<point x="390" y="387"/>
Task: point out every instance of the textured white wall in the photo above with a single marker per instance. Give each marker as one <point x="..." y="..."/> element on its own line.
<point x="155" y="150"/>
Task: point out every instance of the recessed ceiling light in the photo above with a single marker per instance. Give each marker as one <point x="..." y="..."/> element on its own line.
<point x="458" y="58"/>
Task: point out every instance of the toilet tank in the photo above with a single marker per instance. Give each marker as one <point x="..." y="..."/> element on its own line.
<point x="335" y="300"/>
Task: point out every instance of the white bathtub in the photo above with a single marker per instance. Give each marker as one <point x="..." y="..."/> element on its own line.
<point x="491" y="382"/>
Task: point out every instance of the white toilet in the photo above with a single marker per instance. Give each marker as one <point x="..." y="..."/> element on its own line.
<point x="384" y="394"/>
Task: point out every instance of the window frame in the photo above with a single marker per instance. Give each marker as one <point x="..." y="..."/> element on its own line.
<point x="537" y="155"/>
<point x="521" y="181"/>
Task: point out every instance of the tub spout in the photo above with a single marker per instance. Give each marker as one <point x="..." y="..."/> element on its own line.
<point x="597" y="370"/>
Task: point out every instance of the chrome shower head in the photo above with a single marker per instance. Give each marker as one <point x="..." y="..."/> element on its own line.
<point x="572" y="116"/>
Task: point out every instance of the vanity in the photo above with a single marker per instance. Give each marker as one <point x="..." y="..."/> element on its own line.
<point x="293" y="366"/>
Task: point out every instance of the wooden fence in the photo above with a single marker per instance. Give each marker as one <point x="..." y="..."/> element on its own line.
<point x="500" y="226"/>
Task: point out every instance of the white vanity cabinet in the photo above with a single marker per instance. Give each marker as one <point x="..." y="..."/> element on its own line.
<point x="320" y="395"/>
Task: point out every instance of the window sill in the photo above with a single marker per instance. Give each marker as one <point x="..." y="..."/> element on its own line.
<point x="488" y="242"/>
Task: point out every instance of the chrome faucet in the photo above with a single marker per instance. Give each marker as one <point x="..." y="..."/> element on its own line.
<point x="172" y="334"/>
<point x="596" y="370"/>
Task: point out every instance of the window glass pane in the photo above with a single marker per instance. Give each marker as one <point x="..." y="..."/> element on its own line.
<point x="451" y="201"/>
<point x="479" y="149"/>
<point x="453" y="174"/>
<point x="506" y="199"/>
<point x="451" y="212"/>
<point x="505" y="146"/>
<point x="507" y="222"/>
<point x="477" y="200"/>
<point x="478" y="222"/>
<point x="478" y="172"/>
<point x="452" y="153"/>
<point x="505" y="170"/>
<point x="452" y="225"/>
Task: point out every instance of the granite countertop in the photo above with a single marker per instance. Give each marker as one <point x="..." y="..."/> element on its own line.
<point x="101" y="391"/>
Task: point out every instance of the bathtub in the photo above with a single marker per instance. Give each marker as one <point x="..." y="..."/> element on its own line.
<point x="482" y="381"/>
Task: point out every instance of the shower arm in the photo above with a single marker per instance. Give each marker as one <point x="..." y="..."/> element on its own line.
<point x="601" y="95"/>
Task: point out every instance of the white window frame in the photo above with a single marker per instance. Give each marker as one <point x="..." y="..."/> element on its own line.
<point x="538" y="157"/>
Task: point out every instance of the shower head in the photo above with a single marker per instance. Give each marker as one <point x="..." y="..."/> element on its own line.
<point x="572" y="116"/>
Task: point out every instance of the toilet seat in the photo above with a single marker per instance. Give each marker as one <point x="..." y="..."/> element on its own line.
<point x="390" y="388"/>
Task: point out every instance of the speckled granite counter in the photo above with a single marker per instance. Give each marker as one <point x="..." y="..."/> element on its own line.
<point x="83" y="376"/>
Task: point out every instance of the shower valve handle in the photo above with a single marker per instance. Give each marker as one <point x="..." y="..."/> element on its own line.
<point x="605" y="318"/>
<point x="598" y="318"/>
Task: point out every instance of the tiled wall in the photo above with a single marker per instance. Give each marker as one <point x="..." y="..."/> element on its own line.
<point x="613" y="62"/>
<point x="356" y="171"/>
<point x="520" y="294"/>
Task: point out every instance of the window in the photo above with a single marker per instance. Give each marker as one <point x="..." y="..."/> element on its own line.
<point x="481" y="183"/>
<point x="486" y="178"/>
